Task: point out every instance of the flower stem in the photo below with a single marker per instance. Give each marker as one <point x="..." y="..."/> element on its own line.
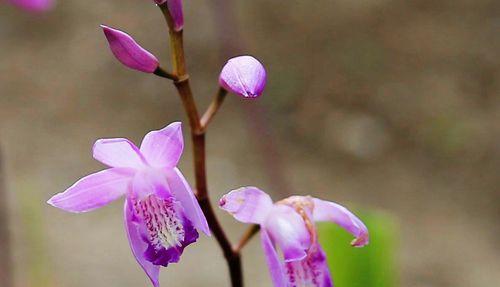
<point x="213" y="108"/>
<point x="252" y="230"/>
<point x="6" y="279"/>
<point x="198" y="130"/>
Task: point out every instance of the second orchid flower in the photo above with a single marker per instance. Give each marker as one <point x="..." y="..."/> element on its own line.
<point x="289" y="225"/>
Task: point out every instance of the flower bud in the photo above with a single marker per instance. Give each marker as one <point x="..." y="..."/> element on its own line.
<point x="175" y="10"/>
<point x="128" y="52"/>
<point x="34" y="5"/>
<point x="244" y="76"/>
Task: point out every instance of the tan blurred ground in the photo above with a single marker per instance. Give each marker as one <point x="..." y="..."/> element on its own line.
<point x="390" y="105"/>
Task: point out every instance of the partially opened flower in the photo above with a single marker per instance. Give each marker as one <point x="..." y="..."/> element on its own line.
<point x="128" y="52"/>
<point x="244" y="76"/>
<point x="34" y="5"/>
<point x="289" y="226"/>
<point x="175" y="9"/>
<point x="161" y="213"/>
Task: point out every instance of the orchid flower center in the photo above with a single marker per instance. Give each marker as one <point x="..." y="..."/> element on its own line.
<point x="304" y="206"/>
<point x="167" y="230"/>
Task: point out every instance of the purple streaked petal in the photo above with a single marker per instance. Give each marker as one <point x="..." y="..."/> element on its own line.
<point x="138" y="245"/>
<point x="288" y="230"/>
<point x="163" y="148"/>
<point x="244" y="76"/>
<point x="34" y="5"/>
<point x="118" y="152"/>
<point x="128" y="52"/>
<point x="273" y="262"/>
<point x="164" y="227"/>
<point x="182" y="192"/>
<point x="94" y="191"/>
<point x="311" y="271"/>
<point x="330" y="211"/>
<point x="247" y="204"/>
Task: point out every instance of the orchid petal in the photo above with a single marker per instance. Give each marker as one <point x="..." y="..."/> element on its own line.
<point x="94" y="191"/>
<point x="128" y="52"/>
<point x="311" y="271"/>
<point x="182" y="192"/>
<point x="138" y="245"/>
<point x="163" y="148"/>
<point x="330" y="211"/>
<point x="175" y="9"/>
<point x="118" y="152"/>
<point x="288" y="230"/>
<point x="247" y="204"/>
<point x="272" y="259"/>
<point x="150" y="182"/>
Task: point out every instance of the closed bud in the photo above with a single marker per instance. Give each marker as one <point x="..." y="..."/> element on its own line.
<point x="175" y="10"/>
<point x="128" y="52"/>
<point x="244" y="76"/>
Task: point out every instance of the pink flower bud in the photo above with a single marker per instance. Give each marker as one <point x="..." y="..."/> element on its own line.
<point x="128" y="52"/>
<point x="175" y="9"/>
<point x="244" y="76"/>
<point x="34" y="5"/>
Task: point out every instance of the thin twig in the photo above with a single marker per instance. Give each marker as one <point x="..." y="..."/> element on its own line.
<point x="198" y="137"/>
<point x="213" y="108"/>
<point x="251" y="231"/>
<point x="164" y="74"/>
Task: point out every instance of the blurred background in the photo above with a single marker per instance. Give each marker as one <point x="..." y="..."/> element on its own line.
<point x="389" y="107"/>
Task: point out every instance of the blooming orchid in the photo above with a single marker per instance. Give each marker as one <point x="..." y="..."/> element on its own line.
<point x="161" y="212"/>
<point x="289" y="225"/>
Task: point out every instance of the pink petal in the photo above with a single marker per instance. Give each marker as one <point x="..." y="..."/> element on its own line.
<point x="138" y="245"/>
<point x="311" y="271"/>
<point x="247" y="204"/>
<point x="150" y="182"/>
<point x="128" y="52"/>
<point x="330" y="211"/>
<point x="118" y="152"/>
<point x="272" y="259"/>
<point x="175" y="8"/>
<point x="94" y="191"/>
<point x="163" y="148"/>
<point x="34" y="5"/>
<point x="183" y="193"/>
<point x="244" y="76"/>
<point x="288" y="230"/>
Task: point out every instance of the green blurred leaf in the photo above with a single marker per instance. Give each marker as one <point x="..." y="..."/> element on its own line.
<point x="371" y="266"/>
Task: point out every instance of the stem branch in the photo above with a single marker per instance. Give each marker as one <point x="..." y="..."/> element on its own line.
<point x="252" y="230"/>
<point x="213" y="108"/>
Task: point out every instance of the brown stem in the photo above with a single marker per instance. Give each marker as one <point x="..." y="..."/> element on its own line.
<point x="164" y="74"/>
<point x="5" y="258"/>
<point x="198" y="138"/>
<point x="213" y="108"/>
<point x="252" y="230"/>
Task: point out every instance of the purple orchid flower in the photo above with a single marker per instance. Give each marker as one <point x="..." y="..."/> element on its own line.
<point x="34" y="5"/>
<point x="289" y="225"/>
<point x="161" y="212"/>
